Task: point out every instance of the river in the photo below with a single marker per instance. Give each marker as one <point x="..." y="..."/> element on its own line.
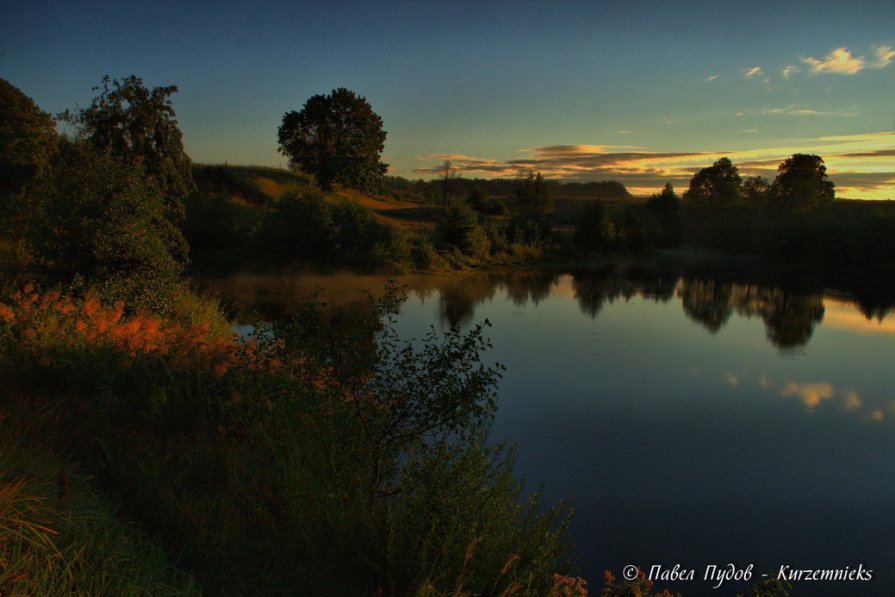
<point x="691" y="418"/>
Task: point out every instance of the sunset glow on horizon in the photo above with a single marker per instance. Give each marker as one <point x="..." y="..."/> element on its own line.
<point x="643" y="94"/>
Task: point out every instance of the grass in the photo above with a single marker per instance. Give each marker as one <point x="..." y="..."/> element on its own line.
<point x="323" y="457"/>
<point x="58" y="536"/>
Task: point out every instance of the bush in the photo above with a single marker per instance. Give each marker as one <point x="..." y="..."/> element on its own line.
<point x="98" y="222"/>
<point x="460" y="228"/>
<point x="309" y="226"/>
<point x="289" y="463"/>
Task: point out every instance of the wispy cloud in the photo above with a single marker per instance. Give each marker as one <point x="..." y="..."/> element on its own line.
<point x="796" y="110"/>
<point x="752" y="71"/>
<point x="838" y="61"/>
<point x="788" y="71"/>
<point x="712" y="77"/>
<point x="884" y="56"/>
<point x="462" y="163"/>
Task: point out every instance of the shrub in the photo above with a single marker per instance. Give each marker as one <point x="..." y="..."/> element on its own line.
<point x="101" y="223"/>
<point x="309" y="226"/>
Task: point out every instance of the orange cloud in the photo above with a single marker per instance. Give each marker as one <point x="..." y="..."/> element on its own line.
<point x="838" y="61"/>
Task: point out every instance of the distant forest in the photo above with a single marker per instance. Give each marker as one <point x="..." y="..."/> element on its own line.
<point x="434" y="190"/>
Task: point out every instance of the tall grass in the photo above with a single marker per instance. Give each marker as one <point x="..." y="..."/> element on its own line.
<point x="285" y="464"/>
<point x="59" y="537"/>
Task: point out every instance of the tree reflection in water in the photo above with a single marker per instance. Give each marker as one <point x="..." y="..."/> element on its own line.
<point x="789" y="316"/>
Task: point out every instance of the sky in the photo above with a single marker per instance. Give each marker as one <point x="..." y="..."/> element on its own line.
<point x="643" y="92"/>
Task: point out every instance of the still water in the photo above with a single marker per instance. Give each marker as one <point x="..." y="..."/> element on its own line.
<point x="690" y="419"/>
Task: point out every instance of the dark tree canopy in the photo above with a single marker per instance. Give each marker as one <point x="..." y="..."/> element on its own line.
<point x="716" y="186"/>
<point x="666" y="201"/>
<point x="756" y="191"/>
<point x="802" y="183"/>
<point x="28" y="139"/>
<point x="139" y="126"/>
<point x="337" y="138"/>
<point x="532" y="210"/>
<point x="100" y="222"/>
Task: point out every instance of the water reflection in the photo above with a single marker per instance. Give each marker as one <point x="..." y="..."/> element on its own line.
<point x="789" y="316"/>
<point x="643" y="395"/>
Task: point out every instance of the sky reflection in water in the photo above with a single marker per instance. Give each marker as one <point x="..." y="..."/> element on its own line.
<point x="695" y="421"/>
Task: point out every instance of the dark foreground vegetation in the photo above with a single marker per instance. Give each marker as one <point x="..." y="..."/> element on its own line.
<point x="146" y="449"/>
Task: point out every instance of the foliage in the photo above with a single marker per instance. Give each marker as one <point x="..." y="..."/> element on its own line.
<point x="139" y="126"/>
<point x="484" y="204"/>
<point x="337" y="138"/>
<point x="615" y="228"/>
<point x="641" y="586"/>
<point x="306" y="225"/>
<point x="532" y="211"/>
<point x="594" y="231"/>
<point x="100" y="222"/>
<point x="422" y="254"/>
<point x="28" y="141"/>
<point x="270" y="470"/>
<point x="801" y="184"/>
<point x="460" y="227"/>
<point x="716" y="186"/>
<point x="756" y="191"/>
<point x="57" y="537"/>
<point x="665" y="208"/>
<point x="214" y="222"/>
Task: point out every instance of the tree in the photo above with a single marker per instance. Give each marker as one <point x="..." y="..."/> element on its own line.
<point x="337" y="138"/>
<point x="139" y="126"/>
<point x="28" y="140"/>
<point x="756" y="191"/>
<point x="716" y="186"/>
<point x="100" y="223"/>
<point x="664" y="208"/>
<point x="666" y="201"/>
<point x="802" y="183"/>
<point x="449" y="173"/>
<point x="532" y="219"/>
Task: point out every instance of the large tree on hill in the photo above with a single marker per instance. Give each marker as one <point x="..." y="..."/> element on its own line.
<point x="337" y="138"/>
<point x="28" y="140"/>
<point x="719" y="185"/>
<point x="139" y="126"/>
<point x="802" y="183"/>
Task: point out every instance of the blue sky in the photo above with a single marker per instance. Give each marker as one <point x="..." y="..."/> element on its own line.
<point x="641" y="92"/>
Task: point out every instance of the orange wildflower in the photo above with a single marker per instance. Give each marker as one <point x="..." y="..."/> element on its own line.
<point x="6" y="314"/>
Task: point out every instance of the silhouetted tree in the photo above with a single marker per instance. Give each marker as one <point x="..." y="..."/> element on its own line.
<point x="448" y="173"/>
<point x="664" y="207"/>
<point x="337" y="138"/>
<point x="139" y="126"/>
<point x="802" y="183"/>
<point x="716" y="186"/>
<point x="756" y="191"/>
<point x="532" y="220"/>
